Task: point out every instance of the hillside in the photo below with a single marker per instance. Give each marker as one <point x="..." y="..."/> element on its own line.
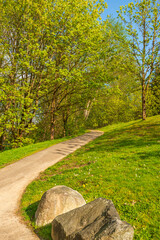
<point x="122" y="165"/>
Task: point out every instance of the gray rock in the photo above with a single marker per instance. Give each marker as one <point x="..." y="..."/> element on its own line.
<point x="97" y="220"/>
<point x="55" y="201"/>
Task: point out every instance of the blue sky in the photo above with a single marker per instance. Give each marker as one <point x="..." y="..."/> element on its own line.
<point x="114" y="5"/>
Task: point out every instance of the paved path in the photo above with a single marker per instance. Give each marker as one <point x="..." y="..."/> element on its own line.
<point x="15" y="178"/>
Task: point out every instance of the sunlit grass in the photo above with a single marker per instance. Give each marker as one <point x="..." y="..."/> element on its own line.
<point x="122" y="165"/>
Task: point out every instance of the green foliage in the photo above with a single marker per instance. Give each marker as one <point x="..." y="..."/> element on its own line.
<point x="22" y="68"/>
<point x="118" y="100"/>
<point x="122" y="165"/>
<point x="48" y="49"/>
<point x="115" y="105"/>
<point x="153" y="96"/>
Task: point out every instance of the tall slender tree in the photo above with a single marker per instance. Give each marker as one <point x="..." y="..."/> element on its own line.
<point x="142" y="22"/>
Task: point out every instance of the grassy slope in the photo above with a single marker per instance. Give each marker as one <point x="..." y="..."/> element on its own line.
<point x="122" y="165"/>
<point x="13" y="155"/>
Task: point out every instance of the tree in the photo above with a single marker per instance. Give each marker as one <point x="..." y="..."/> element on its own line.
<point x="47" y="51"/>
<point x="142" y="22"/>
<point x="76" y="39"/>
<point x="23" y="66"/>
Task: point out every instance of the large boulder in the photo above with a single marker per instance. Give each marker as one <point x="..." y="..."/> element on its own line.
<point x="55" y="201"/>
<point x="97" y="220"/>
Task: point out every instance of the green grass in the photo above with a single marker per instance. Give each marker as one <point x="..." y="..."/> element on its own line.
<point x="122" y="165"/>
<point x="10" y="156"/>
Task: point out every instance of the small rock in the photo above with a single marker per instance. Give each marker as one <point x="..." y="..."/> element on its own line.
<point x="55" y="201"/>
<point x="97" y="220"/>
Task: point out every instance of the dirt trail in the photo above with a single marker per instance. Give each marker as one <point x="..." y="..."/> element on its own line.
<point x="15" y="178"/>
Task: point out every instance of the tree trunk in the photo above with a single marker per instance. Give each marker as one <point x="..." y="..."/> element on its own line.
<point x="52" y="124"/>
<point x="52" y="129"/>
<point x="88" y="109"/>
<point x="143" y="70"/>
<point x="64" y="127"/>
<point x="143" y="101"/>
<point x="65" y="120"/>
<point x="2" y="138"/>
